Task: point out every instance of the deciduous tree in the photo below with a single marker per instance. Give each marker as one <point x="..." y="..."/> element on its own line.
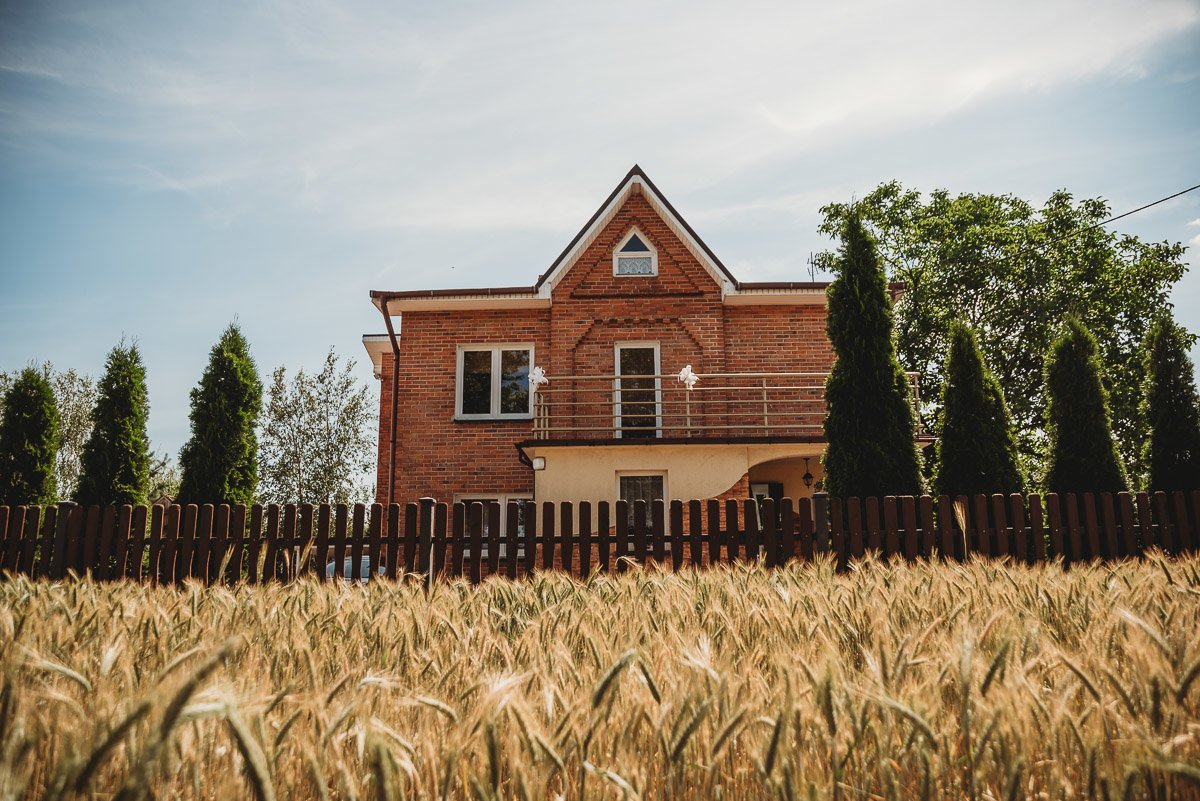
<point x="28" y="441"/>
<point x="318" y="437"/>
<point x="869" y="424"/>
<point x="220" y="462"/>
<point x="1011" y="270"/>
<point x="75" y="396"/>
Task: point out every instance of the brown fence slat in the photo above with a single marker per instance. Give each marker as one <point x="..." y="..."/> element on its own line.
<point x="1108" y="514"/>
<point x="604" y="535"/>
<point x="1091" y="525"/>
<point x="640" y="525"/>
<point x="839" y="541"/>
<point x="170" y="545"/>
<point x="793" y="517"/>
<point x="305" y="549"/>
<point x="237" y="543"/>
<point x="12" y="540"/>
<point x="908" y="527"/>
<point x="531" y="536"/>
<point x="154" y="538"/>
<point x="1129" y="545"/>
<point x="1162" y="514"/>
<point x="475" y="532"/>
<point x="321" y="542"/>
<point x="548" y="535"/>
<point x="270" y="546"/>
<point x="1001" y="542"/>
<point x="658" y="530"/>
<point x="1194" y="497"/>
<point x="928" y="527"/>
<point x="566" y="535"/>
<point x="1183" y="529"/>
<point x="855" y="528"/>
<point x="204" y="540"/>
<point x="1037" y="528"/>
<point x="752" y="529"/>
<point x="458" y="533"/>
<point x="220" y="544"/>
<point x="712" y="510"/>
<point x="946" y="527"/>
<point x="1075" y="534"/>
<point x="695" y="532"/>
<point x="733" y="540"/>
<point x="769" y="520"/>
<point x="492" y="510"/>
<point x="621" y="521"/>
<point x="512" y="538"/>
<point x="374" y="552"/>
<point x="1020" y="534"/>
<point x="58" y="549"/>
<point x="1055" y="521"/>
<point x="5" y="514"/>
<point x="135" y="559"/>
<point x="1147" y="536"/>
<point x="104" y="548"/>
<point x="890" y="538"/>
<point x="356" y="536"/>
<point x="676" y="529"/>
<point x="874" y="523"/>
<point x="74" y="551"/>
<point x="980" y="525"/>
<point x="441" y="518"/>
<point x="45" y="542"/>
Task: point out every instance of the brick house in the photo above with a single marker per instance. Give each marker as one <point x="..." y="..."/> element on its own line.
<point x="634" y="301"/>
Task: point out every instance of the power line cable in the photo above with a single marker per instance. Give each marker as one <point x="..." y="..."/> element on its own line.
<point x="1078" y="231"/>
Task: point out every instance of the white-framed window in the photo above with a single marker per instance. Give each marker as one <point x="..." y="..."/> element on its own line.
<point x="634" y="255"/>
<point x="492" y="382"/>
<point x="642" y="485"/>
<point x="503" y="500"/>
<point x="637" y="410"/>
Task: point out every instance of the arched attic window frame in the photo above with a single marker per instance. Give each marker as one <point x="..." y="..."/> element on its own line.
<point x="630" y="263"/>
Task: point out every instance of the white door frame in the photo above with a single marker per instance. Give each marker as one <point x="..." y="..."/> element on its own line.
<point x="637" y="344"/>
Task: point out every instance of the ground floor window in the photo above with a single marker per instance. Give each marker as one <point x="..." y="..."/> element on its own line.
<point x="646" y="487"/>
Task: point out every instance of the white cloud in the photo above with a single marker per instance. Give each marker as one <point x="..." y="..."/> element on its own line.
<point x="502" y="116"/>
<point x="1195" y="222"/>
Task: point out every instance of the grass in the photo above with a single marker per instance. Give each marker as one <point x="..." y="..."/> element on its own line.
<point x="894" y="681"/>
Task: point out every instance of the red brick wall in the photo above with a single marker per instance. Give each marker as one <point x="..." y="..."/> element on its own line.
<point x="592" y="310"/>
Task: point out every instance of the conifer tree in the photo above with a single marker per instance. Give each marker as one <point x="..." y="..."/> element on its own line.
<point x="977" y="450"/>
<point x="116" y="457"/>
<point x="220" y="462"/>
<point x="1170" y="410"/>
<point x="29" y="438"/>
<point x="869" y="423"/>
<point x="1081" y="451"/>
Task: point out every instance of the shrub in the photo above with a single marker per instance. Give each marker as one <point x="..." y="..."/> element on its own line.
<point x="1170" y="410"/>
<point x="29" y="442"/>
<point x="1082" y="454"/>
<point x="116" y="457"/>
<point x="869" y="422"/>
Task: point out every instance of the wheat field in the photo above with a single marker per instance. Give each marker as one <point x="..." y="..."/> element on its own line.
<point x="892" y="681"/>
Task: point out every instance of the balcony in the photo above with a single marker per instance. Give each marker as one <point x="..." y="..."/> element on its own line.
<point x="715" y="406"/>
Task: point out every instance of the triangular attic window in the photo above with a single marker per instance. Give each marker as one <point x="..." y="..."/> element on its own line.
<point x="635" y="245"/>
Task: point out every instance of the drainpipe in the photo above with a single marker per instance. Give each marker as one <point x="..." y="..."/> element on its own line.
<point x="387" y="319"/>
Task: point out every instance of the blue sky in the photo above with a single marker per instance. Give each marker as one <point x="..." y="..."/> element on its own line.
<point x="167" y="167"/>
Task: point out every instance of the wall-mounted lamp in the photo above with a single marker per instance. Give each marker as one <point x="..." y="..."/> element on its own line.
<point x="539" y="463"/>
<point x="807" y="478"/>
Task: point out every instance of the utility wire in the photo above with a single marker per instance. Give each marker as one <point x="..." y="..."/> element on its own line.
<point x="1120" y="216"/>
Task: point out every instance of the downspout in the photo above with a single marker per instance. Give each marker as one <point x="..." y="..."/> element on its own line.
<point x="387" y="319"/>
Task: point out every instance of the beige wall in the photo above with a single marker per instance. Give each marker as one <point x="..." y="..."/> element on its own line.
<point x="699" y="470"/>
<point x="790" y="473"/>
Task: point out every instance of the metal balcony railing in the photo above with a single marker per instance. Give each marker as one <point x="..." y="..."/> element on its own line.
<point x="655" y="406"/>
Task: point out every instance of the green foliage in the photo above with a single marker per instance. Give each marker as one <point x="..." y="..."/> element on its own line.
<point x="1171" y="409"/>
<point x="869" y="424"/>
<point x="1082" y="454"/>
<point x="318" y="438"/>
<point x="220" y="462"/>
<point x="75" y="396"/>
<point x="28" y="441"/>
<point x="977" y="449"/>
<point x="116" y="458"/>
<point x="1011" y="271"/>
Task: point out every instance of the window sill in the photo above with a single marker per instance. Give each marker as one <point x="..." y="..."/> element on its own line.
<point x="493" y="419"/>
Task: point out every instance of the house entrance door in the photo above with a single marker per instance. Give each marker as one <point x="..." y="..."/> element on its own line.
<point x="637" y="409"/>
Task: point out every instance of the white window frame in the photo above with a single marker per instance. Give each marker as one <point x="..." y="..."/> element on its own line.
<point x="617" y="348"/>
<point x="653" y="255"/>
<point x="495" y="397"/>
<point x="503" y="499"/>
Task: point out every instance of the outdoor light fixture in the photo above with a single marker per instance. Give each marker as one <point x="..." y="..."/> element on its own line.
<point x="539" y="463"/>
<point x="807" y="478"/>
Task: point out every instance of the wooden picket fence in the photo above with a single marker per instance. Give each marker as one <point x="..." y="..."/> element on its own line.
<point x="270" y="543"/>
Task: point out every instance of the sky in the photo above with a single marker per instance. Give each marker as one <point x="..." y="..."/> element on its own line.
<point x="166" y="168"/>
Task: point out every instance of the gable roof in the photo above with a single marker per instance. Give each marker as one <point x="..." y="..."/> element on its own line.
<point x="636" y="177"/>
<point x="733" y="291"/>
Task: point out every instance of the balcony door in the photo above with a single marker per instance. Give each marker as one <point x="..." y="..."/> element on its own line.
<point x="638" y="397"/>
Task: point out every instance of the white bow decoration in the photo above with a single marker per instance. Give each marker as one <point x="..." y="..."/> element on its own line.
<point x="537" y="377"/>
<point x="687" y="377"/>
